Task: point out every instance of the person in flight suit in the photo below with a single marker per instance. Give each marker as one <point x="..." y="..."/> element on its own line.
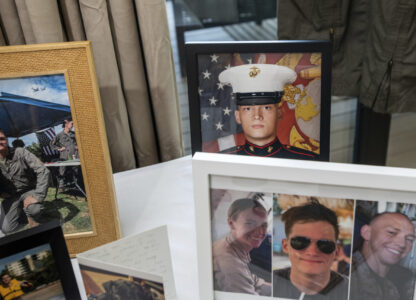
<point x="65" y="143"/>
<point x="24" y="182"/>
<point x="258" y="89"/>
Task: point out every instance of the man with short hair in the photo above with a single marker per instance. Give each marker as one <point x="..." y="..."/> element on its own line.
<point x="65" y="143"/>
<point x="11" y="289"/>
<point x="311" y="235"/>
<point x="24" y="184"/>
<point x="375" y="273"/>
<point x="258" y="89"/>
<point x="247" y="219"/>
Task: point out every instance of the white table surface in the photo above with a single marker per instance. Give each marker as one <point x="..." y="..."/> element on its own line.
<point x="159" y="195"/>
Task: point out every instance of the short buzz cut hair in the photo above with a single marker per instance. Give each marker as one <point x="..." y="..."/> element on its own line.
<point x="311" y="211"/>
<point x="2" y="131"/>
<point x="379" y="215"/>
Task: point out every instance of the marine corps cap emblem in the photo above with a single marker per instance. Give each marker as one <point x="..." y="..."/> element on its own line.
<point x="254" y="71"/>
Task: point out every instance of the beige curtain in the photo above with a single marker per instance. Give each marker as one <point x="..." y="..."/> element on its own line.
<point x="134" y="64"/>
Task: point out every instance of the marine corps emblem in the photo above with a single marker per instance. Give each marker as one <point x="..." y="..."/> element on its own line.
<point x="254" y="71"/>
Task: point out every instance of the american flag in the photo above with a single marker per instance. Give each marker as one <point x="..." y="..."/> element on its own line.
<point x="220" y="130"/>
<point x="44" y="138"/>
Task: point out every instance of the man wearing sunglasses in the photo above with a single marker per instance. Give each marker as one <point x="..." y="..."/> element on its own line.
<point x="375" y="272"/>
<point x="311" y="234"/>
<point x="24" y="182"/>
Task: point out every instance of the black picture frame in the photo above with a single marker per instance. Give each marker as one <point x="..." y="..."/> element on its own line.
<point x="197" y="51"/>
<point x="49" y="233"/>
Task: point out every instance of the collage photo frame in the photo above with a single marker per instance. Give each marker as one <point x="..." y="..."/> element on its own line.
<point x="261" y="224"/>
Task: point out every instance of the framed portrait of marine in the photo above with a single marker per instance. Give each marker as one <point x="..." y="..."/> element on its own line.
<point x="269" y="99"/>
<point x="54" y="158"/>
<point x="291" y="229"/>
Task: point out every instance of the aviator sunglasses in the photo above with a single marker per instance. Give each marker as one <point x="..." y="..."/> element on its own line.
<point x="301" y="243"/>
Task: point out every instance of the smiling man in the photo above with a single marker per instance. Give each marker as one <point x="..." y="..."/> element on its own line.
<point x="11" y="288"/>
<point x="258" y="89"/>
<point x="232" y="267"/>
<point x="375" y="271"/>
<point x="311" y="234"/>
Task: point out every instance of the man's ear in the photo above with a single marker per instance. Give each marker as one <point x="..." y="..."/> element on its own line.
<point x="285" y="246"/>
<point x="230" y="223"/>
<point x="366" y="232"/>
<point x="337" y="251"/>
<point x="237" y="116"/>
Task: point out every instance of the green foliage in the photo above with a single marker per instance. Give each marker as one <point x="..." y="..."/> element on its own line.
<point x="70" y="208"/>
<point x="35" y="149"/>
<point x="46" y="275"/>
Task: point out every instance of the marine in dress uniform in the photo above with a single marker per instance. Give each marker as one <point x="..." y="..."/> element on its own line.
<point x="258" y="89"/>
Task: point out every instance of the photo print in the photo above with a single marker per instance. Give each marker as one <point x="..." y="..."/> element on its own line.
<point x="383" y="258"/>
<point x="241" y="226"/>
<point x="101" y="284"/>
<point x="31" y="275"/>
<point x="297" y="116"/>
<point x="269" y="99"/>
<point x="311" y="246"/>
<point x="41" y="174"/>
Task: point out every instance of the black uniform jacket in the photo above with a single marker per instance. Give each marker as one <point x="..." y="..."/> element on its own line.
<point x="273" y="149"/>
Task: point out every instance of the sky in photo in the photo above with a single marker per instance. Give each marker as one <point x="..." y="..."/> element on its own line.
<point x="6" y="260"/>
<point x="50" y="88"/>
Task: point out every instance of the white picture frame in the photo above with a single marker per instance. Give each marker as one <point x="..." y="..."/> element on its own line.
<point x="257" y="174"/>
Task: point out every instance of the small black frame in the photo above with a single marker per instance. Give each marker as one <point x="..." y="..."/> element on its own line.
<point x="48" y="233"/>
<point x="197" y="54"/>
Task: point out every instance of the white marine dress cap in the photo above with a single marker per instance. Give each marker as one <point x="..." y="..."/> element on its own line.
<point x="258" y="84"/>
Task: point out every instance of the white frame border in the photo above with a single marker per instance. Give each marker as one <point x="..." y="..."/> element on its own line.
<point x="204" y="165"/>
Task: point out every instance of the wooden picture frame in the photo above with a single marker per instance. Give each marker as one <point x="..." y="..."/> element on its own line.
<point x="347" y="187"/>
<point x="27" y="252"/>
<point x="302" y="123"/>
<point x="71" y="63"/>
